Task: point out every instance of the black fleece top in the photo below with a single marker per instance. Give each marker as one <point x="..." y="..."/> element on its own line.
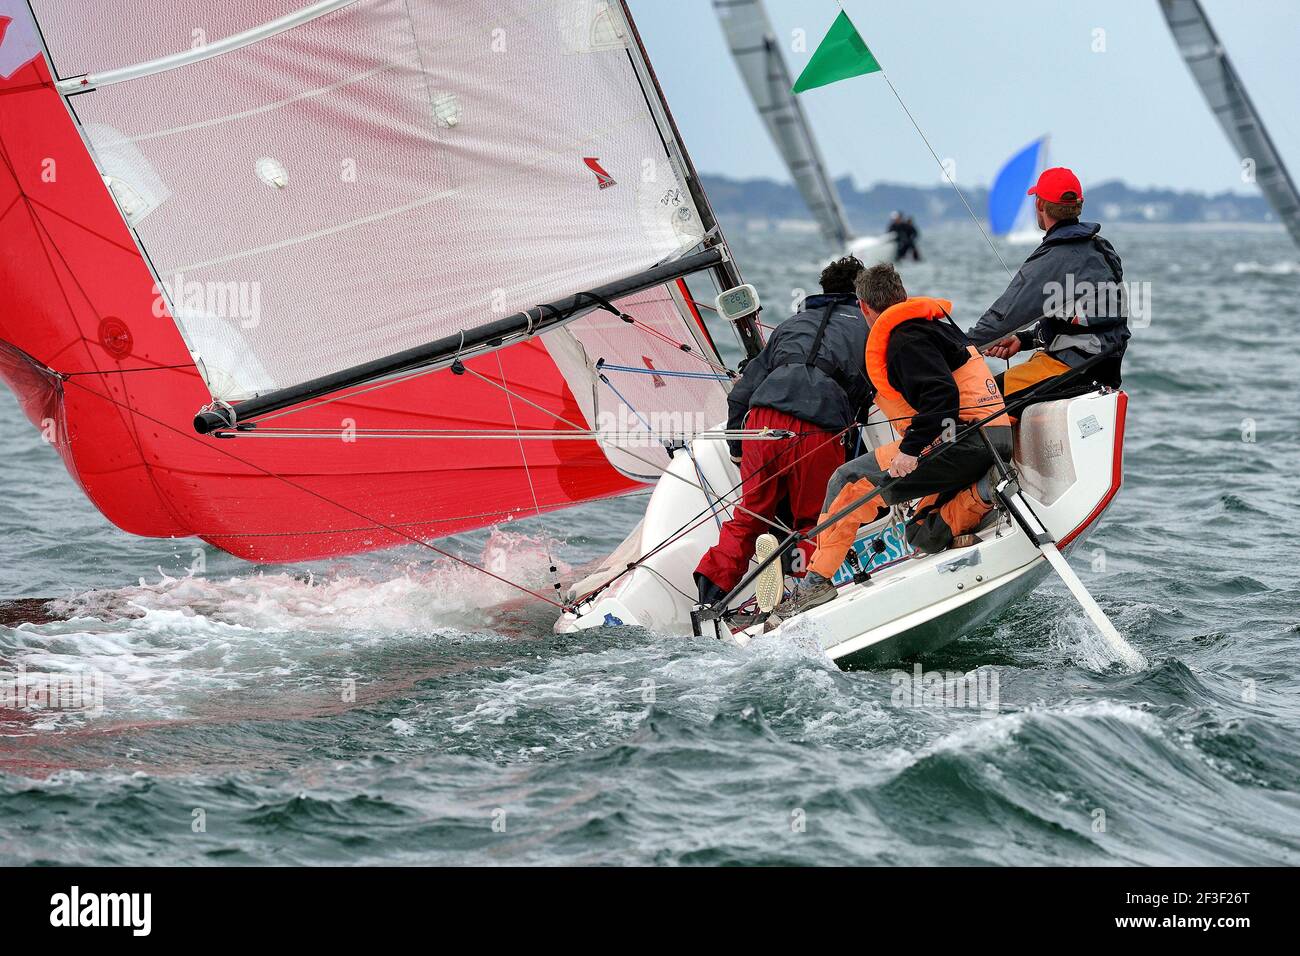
<point x="920" y="359"/>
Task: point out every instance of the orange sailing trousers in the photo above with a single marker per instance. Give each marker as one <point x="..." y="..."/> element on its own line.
<point x="962" y="467"/>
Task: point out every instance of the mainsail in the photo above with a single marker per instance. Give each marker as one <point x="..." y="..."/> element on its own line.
<point x="1010" y="207"/>
<point x="297" y="212"/>
<point x="762" y="66"/>
<point x="1232" y="107"/>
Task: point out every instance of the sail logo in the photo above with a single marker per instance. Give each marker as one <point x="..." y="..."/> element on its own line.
<point x="656" y="378"/>
<point x="603" y="179"/>
<point x="17" y="45"/>
<point x="74" y="909"/>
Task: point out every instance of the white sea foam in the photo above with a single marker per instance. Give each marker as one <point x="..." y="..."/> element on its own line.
<point x="165" y="647"/>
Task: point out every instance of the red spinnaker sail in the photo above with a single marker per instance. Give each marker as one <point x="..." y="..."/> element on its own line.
<point x="78" y="299"/>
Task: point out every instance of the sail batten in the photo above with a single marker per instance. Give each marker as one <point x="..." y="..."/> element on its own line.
<point x="1232" y="107"/>
<point x="203" y="51"/>
<point x="767" y="77"/>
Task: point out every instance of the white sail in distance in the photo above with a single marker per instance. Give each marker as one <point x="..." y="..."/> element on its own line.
<point x="758" y="55"/>
<point x="1232" y="107"/>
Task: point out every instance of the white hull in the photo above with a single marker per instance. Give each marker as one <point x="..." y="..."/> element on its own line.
<point x="1068" y="457"/>
<point x="1030" y="236"/>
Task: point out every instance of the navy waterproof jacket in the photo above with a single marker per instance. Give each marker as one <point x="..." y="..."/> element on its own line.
<point x="1075" y="267"/>
<point x="827" y="387"/>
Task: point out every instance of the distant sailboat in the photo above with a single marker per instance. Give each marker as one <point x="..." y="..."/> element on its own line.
<point x="1011" y="211"/>
<point x="758" y="56"/>
<point x="1228" y="100"/>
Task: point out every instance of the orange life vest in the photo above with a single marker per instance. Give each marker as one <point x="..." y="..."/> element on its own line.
<point x="979" y="392"/>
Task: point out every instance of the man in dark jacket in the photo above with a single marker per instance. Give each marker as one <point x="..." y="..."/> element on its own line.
<point x="809" y="379"/>
<point x="929" y="381"/>
<point x="905" y="234"/>
<point x="1067" y="299"/>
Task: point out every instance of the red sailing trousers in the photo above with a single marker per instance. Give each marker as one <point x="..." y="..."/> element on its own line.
<point x="799" y="468"/>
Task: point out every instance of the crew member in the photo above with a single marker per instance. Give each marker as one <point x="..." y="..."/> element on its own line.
<point x="905" y="236"/>
<point x="1066" y="300"/>
<point x="808" y="379"/>
<point x="929" y="381"/>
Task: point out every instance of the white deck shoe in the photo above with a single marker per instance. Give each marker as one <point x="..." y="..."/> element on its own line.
<point x="769" y="586"/>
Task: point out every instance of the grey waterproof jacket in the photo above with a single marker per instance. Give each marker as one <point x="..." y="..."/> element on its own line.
<point x="819" y="379"/>
<point x="1070" y="288"/>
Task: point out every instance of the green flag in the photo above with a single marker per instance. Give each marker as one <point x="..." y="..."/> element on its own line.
<point x="840" y="55"/>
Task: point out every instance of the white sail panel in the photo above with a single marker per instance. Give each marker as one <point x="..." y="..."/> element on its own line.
<point x="635" y="384"/>
<point x="758" y="55"/>
<point x="1232" y="107"/>
<point x="381" y="176"/>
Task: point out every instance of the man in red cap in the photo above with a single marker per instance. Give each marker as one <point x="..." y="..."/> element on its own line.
<point x="1067" y="300"/>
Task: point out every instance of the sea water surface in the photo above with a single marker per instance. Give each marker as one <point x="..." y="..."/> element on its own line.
<point x="392" y="709"/>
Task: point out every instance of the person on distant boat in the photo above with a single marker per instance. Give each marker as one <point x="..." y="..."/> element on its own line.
<point x="1067" y="300"/>
<point x="905" y="234"/>
<point x="928" y="380"/>
<point x="809" y="379"/>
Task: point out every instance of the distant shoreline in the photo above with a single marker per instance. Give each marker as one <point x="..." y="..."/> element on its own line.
<point x="765" y="200"/>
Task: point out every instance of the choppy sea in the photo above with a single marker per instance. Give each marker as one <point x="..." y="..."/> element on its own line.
<point x="474" y="735"/>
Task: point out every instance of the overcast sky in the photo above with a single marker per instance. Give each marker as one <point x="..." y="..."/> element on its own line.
<point x="985" y="78"/>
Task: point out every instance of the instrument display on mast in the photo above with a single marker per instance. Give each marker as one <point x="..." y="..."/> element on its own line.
<point x="738" y="303"/>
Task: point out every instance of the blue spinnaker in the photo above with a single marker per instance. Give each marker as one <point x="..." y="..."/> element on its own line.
<point x="1008" y="195"/>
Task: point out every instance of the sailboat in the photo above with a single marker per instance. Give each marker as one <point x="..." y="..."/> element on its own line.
<point x="322" y="284"/>
<point x="1231" y="105"/>
<point x="762" y="66"/>
<point x="1011" y="209"/>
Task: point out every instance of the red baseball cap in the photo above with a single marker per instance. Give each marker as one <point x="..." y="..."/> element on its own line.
<point x="1056" y="185"/>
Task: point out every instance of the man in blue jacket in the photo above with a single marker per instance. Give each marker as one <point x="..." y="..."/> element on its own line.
<point x="1067" y="299"/>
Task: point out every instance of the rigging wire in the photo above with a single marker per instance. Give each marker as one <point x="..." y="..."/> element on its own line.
<point x="124" y="371"/>
<point x="641" y="458"/>
<point x="392" y="529"/>
<point x="498" y="434"/>
<point x="528" y="472"/>
<point x="944" y="169"/>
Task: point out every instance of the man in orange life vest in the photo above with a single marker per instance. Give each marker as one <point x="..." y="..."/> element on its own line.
<point x="929" y="380"/>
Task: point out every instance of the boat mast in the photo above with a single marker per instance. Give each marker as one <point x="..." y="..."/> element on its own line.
<point x="725" y="273"/>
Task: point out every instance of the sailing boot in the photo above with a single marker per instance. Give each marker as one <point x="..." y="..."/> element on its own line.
<point x="813" y="591"/>
<point x="709" y="592"/>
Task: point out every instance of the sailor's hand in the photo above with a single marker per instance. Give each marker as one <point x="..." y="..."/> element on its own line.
<point x="902" y="465"/>
<point x="1004" y="348"/>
